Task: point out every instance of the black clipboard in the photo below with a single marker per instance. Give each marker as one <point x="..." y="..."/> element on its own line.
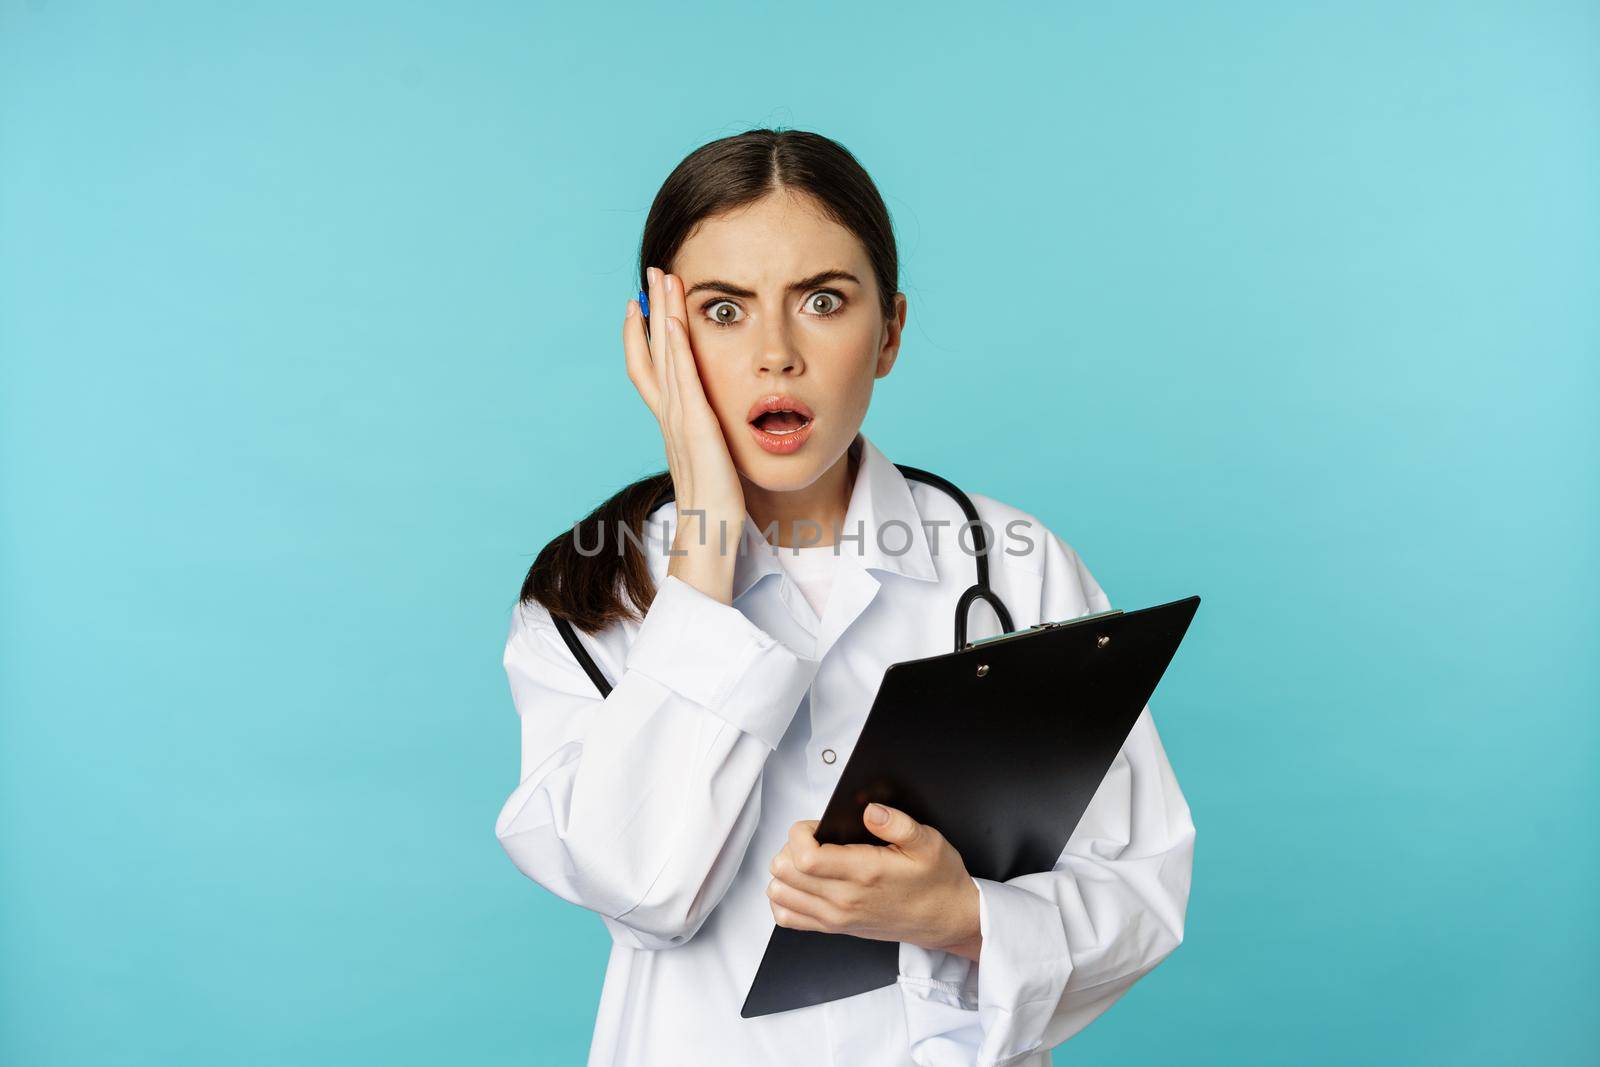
<point x="1028" y="721"/>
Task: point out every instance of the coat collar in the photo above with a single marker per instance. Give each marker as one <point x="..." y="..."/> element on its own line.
<point x="882" y="528"/>
<point x="881" y="510"/>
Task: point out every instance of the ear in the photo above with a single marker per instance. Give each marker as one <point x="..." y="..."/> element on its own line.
<point x="893" y="330"/>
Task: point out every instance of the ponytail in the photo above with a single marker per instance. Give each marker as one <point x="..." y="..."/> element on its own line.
<point x="587" y="588"/>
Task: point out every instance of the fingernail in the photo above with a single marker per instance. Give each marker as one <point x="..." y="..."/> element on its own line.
<point x="627" y="312"/>
<point x="877" y="814"/>
<point x="672" y="284"/>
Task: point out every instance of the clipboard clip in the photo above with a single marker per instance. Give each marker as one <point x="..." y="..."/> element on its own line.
<point x="1102" y="643"/>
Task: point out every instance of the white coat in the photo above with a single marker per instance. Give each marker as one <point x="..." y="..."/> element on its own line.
<point x="662" y="806"/>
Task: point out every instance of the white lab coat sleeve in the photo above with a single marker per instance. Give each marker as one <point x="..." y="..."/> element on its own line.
<point x="640" y="806"/>
<point x="1061" y="946"/>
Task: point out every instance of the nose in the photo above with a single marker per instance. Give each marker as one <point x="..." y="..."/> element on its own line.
<point x="777" y="354"/>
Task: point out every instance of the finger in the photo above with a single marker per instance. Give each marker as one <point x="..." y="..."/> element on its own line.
<point x="683" y="378"/>
<point x="682" y="368"/>
<point x="795" y="920"/>
<point x="802" y="838"/>
<point x="898" y="828"/>
<point x="678" y="302"/>
<point x="668" y="351"/>
<point x="661" y="349"/>
<point x="837" y="891"/>
<point x="656" y="338"/>
<point x="802" y="855"/>
<point x="685" y="362"/>
<point x="806" y="904"/>
<point x="636" y="353"/>
<point x="851" y="863"/>
<point x="658" y="333"/>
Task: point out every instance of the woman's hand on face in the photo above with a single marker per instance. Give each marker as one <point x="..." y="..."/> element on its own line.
<point x="915" y="889"/>
<point x="662" y="366"/>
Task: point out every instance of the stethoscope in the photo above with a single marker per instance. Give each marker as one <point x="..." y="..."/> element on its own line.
<point x="980" y="591"/>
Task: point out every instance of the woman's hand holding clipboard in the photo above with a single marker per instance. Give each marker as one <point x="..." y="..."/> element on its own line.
<point x="1001" y="745"/>
<point x="916" y="889"/>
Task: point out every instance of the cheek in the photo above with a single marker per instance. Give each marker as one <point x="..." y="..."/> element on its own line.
<point x="843" y="360"/>
<point x="857" y="376"/>
<point x="727" y="394"/>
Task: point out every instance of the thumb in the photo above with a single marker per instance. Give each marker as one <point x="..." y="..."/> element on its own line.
<point x="897" y="827"/>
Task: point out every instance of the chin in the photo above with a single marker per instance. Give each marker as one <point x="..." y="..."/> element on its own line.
<point x="782" y="473"/>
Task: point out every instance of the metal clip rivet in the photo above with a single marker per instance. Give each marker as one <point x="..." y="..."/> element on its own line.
<point x="1102" y="641"/>
<point x="983" y="669"/>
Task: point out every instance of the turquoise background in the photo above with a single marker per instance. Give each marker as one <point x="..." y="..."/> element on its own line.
<point x="309" y="332"/>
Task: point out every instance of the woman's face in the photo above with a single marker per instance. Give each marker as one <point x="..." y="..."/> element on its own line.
<point x="765" y="322"/>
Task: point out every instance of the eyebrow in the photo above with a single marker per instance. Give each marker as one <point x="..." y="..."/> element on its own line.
<point x="811" y="282"/>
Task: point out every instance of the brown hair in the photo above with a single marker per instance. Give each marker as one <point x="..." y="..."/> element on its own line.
<point x="729" y="173"/>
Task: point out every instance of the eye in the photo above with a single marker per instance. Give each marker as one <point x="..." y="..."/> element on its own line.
<point x="719" y="318"/>
<point x="831" y="300"/>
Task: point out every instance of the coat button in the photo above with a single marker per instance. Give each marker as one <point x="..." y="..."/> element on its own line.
<point x="828" y="755"/>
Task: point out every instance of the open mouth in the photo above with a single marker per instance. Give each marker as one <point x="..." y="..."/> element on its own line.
<point x="780" y="415"/>
<point x="781" y="422"/>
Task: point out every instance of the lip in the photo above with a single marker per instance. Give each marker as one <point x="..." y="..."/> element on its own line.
<point x="778" y="402"/>
<point x="785" y="443"/>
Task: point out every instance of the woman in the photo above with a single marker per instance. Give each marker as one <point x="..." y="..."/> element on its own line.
<point x="681" y="806"/>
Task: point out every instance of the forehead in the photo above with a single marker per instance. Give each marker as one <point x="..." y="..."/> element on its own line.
<point x="768" y="244"/>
